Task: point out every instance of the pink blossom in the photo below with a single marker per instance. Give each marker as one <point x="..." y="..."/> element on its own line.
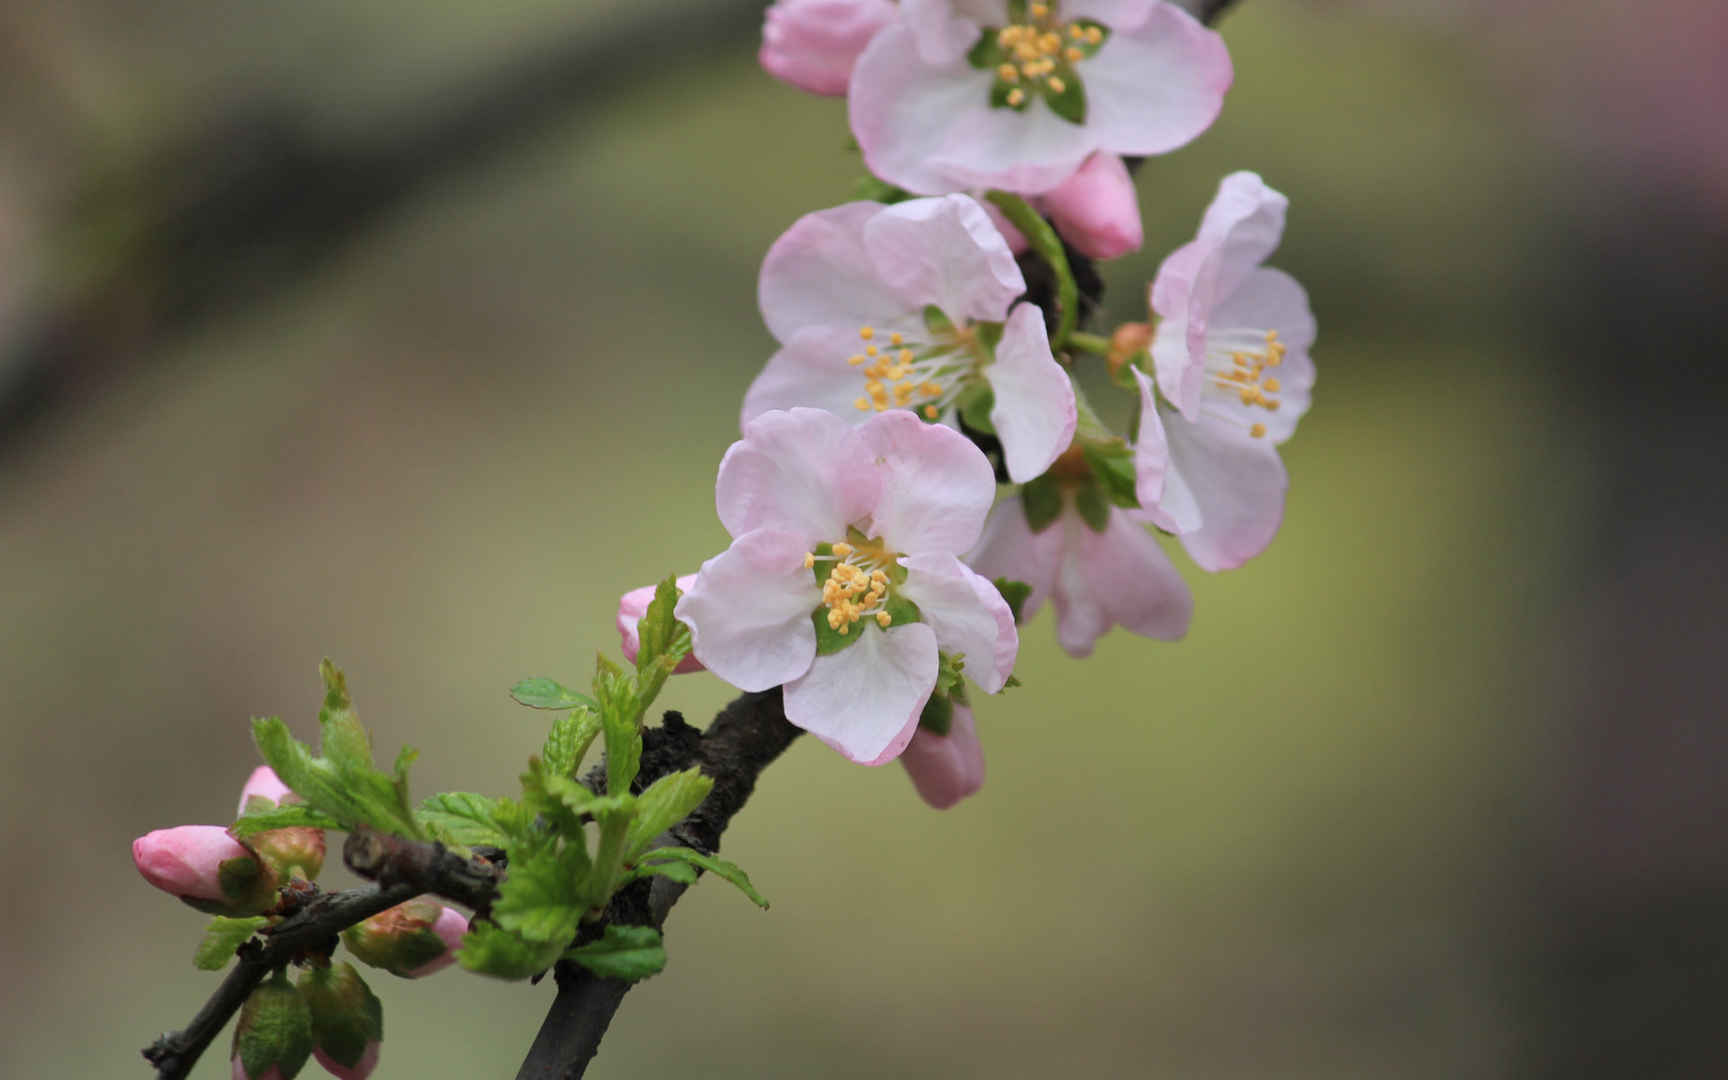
<point x="413" y="939"/>
<point x="1117" y="577"/>
<point x="852" y="526"/>
<point x="632" y="606"/>
<point x="1232" y="359"/>
<point x="958" y="95"/>
<point x="360" y="1070"/>
<point x="188" y="861"/>
<point x="1097" y="209"/>
<point x="847" y="292"/>
<point x="265" y="784"/>
<point x="813" y="44"/>
<point x="946" y="768"/>
<point x="450" y="926"/>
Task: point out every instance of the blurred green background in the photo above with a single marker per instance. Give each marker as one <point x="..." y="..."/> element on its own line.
<point x="1366" y="821"/>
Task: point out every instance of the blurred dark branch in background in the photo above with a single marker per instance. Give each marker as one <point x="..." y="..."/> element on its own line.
<point x="255" y="201"/>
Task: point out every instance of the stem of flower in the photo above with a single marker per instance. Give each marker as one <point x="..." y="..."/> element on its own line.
<point x="1096" y="344"/>
<point x="1049" y="248"/>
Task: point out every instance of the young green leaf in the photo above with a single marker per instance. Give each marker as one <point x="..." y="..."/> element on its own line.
<point x="628" y="953"/>
<point x="711" y="863"/>
<point x="462" y="817"/>
<point x="222" y="937"/>
<point x="620" y="722"/>
<point x="548" y="694"/>
<point x="539" y="900"/>
<point x="286" y="816"/>
<point x="568" y="741"/>
<point x="657" y="629"/>
<point x="489" y="949"/>
<point x="351" y="793"/>
<point x="664" y="804"/>
<point x="682" y="873"/>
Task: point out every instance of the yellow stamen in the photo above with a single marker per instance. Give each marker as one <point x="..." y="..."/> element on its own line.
<point x="1076" y="31"/>
<point x="1094" y="35"/>
<point x="866" y="332"/>
<point x="842" y="549"/>
<point x="1073" y="55"/>
<point x="862" y="404"/>
<point x="1008" y="73"/>
<point x="1057" y="85"/>
<point x="884" y="620"/>
<point x="1016" y="96"/>
<point x="855" y="360"/>
<point x="896" y="339"/>
<point x="931" y="412"/>
<point x="871" y="350"/>
<point x="1040" y="11"/>
<point x="1257" y="431"/>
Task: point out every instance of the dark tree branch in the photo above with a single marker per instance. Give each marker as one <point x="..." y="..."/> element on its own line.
<point x="403" y="870"/>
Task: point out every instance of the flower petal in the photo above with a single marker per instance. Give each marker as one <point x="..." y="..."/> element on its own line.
<point x="1034" y="412"/>
<point x="946" y="768"/>
<point x="865" y="700"/>
<point x="810" y="369"/>
<point x="945" y="30"/>
<point x="817" y="274"/>
<point x="813" y="44"/>
<point x="967" y="613"/>
<point x="749" y="611"/>
<point x="1155" y="86"/>
<point x="945" y="251"/>
<point x="1151" y="451"/>
<point x="1181" y="296"/>
<point x="1118" y="577"/>
<point x="632" y="606"/>
<point x="1234" y="484"/>
<point x="936" y="486"/>
<point x="801" y="471"/>
<point x="1269" y="299"/>
<point x="1010" y="549"/>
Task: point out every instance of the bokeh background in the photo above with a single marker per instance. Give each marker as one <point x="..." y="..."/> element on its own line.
<point x="410" y="334"/>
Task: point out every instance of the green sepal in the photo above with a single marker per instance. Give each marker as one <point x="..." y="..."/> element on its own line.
<point x="1042" y="501"/>
<point x="950" y="667"/>
<point x="664" y="804"/>
<point x="869" y="189"/>
<point x="347" y="1016"/>
<point x="1113" y="464"/>
<point x="488" y="949"/>
<point x="975" y="403"/>
<point x="829" y="640"/>
<point x="937" y="322"/>
<point x="1093" y="508"/>
<point x="628" y="953"/>
<point x="222" y="937"/>
<point x="543" y="693"/>
<point x="568" y="741"/>
<point x="274" y="1029"/>
<point x="247" y="886"/>
<point x="938" y="715"/>
<point x="1014" y="594"/>
<point x="713" y="864"/>
<point x="267" y="816"/>
<point x="1070" y="104"/>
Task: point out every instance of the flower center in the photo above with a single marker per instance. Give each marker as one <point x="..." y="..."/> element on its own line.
<point x="912" y="374"/>
<point x="858" y="583"/>
<point x="1037" y="55"/>
<point x="1238" y="363"/>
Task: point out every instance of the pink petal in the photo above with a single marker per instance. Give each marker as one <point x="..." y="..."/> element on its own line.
<point x="945" y="251"/>
<point x="1120" y="16"/>
<point x="1155" y="86"/>
<point x="801" y="471"/>
<point x="810" y="369"/>
<point x="1010" y="549"/>
<point x="186" y="860"/>
<point x="936" y="486"/>
<point x="1034" y="412"/>
<point x="946" y="768"/>
<point x="968" y="615"/>
<point x="749" y="611"/>
<point x="865" y="700"/>
<point x="1151" y="452"/>
<point x="360" y="1070"/>
<point x="1234" y="483"/>
<point x="944" y="31"/>
<point x="813" y="44"/>
<point x="1015" y="239"/>
<point x="1241" y="228"/>
<point x="1097" y="209"/>
<point x="632" y="606"/>
<point x="1270" y="299"/>
<point x="1118" y="577"/>
<point x="818" y="274"/>
<point x="265" y="784"/>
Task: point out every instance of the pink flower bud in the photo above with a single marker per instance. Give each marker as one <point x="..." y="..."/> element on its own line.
<point x="412" y="939"/>
<point x="207" y="868"/>
<point x="1016" y="239"/>
<point x="360" y="1070"/>
<point x="264" y="784"/>
<point x="813" y="44"/>
<point x="347" y="1020"/>
<point x="1096" y="209"/>
<point x="273" y="1034"/>
<point x="946" y="768"/>
<point x="632" y="606"/>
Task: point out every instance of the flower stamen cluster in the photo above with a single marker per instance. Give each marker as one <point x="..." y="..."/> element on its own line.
<point x="1039" y="51"/>
<point x="857" y="586"/>
<point x="1244" y="374"/>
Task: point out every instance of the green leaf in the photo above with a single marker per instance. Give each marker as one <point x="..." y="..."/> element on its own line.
<point x="548" y="694"/>
<point x="1113" y="464"/>
<point x="540" y="899"/>
<point x="664" y="804"/>
<point x="568" y="741"/>
<point x="628" y="953"/>
<point x="286" y="816"/>
<point x="1093" y="509"/>
<point x="713" y="864"/>
<point x="1042" y="501"/>
<point x="489" y="949"/>
<point x="1014" y="593"/>
<point x="620" y="723"/>
<point x="222" y="937"/>
<point x="682" y="873"/>
<point x="462" y="817"/>
<point x="658" y="627"/>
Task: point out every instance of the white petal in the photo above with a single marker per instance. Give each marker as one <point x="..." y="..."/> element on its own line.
<point x="1232" y="483"/>
<point x="817" y="274"/>
<point x="749" y="611"/>
<point x="801" y="471"/>
<point x="1154" y="87"/>
<point x="1242" y="226"/>
<point x="1034" y="412"/>
<point x="865" y="700"/>
<point x="1010" y="549"/>
<point x="810" y="369"/>
<point x="945" y="251"/>
<point x="968" y="615"/>
<point x="1151" y="452"/>
<point x="936" y="486"/>
<point x="945" y="30"/>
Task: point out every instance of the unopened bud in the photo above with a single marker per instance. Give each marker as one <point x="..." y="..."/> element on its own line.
<point x="273" y="1036"/>
<point x="207" y="868"/>
<point x="412" y="939"/>
<point x="1097" y="209"/>
<point x="946" y="768"/>
<point x="263" y="784"/>
<point x="347" y="1020"/>
<point x="632" y="606"/>
<point x="291" y="853"/>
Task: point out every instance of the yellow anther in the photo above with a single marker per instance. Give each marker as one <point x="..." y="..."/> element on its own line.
<point x="896" y="339"/>
<point x="1057" y="85"/>
<point x="842" y="549"/>
<point x="905" y="356"/>
<point x="931" y="412"/>
<point x="855" y="360"/>
<point x="1094" y="35"/>
<point x="1271" y="336"/>
<point x="884" y="620"/>
<point x="809" y="559"/>
<point x="1016" y="97"/>
<point x="930" y="389"/>
<point x="1248" y="395"/>
<point x="1275" y="359"/>
<point x="881" y="406"/>
<point x="862" y="404"/>
<point x="1073" y="55"/>
<point x="1050" y="44"/>
<point x="1272" y="385"/>
<point x="1076" y="31"/>
<point x="1040" y="11"/>
<point x="871" y="350"/>
<point x="1008" y="73"/>
<point x="1257" y="431"/>
<point x="871" y="386"/>
<point x="866" y="332"/>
